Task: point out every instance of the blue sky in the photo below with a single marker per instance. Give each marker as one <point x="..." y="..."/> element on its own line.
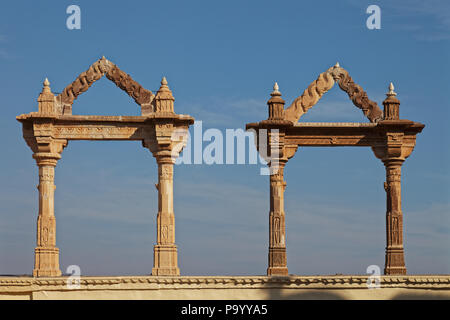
<point x="221" y="59"/>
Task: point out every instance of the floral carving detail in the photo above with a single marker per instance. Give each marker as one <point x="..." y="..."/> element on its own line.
<point x="166" y="172"/>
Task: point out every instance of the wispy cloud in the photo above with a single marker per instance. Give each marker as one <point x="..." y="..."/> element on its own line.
<point x="226" y="112"/>
<point x="438" y="11"/>
<point x="424" y="20"/>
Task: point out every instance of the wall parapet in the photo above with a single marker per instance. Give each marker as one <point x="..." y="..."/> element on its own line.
<point x="226" y="287"/>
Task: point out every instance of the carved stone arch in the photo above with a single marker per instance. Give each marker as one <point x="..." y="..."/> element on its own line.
<point x="325" y="82"/>
<point x="96" y="71"/>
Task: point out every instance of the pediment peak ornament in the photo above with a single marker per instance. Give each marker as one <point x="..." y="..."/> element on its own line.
<point x="46" y="86"/>
<point x="276" y="91"/>
<point x="164" y="86"/>
<point x="391" y="92"/>
<point x="324" y="83"/>
<point x="100" y="68"/>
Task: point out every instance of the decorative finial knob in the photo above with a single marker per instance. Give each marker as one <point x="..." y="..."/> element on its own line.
<point x="391" y="90"/>
<point x="46" y="88"/>
<point x="164" y="98"/>
<point x="275" y="91"/>
<point x="337" y="65"/>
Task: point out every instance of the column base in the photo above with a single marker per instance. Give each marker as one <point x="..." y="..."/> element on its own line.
<point x="46" y="262"/>
<point x="277" y="271"/>
<point x="165" y="261"/>
<point x="394" y="270"/>
<point x="277" y="262"/>
<point x="395" y="261"/>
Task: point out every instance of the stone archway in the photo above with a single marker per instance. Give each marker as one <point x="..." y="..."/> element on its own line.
<point x="48" y="131"/>
<point x="392" y="140"/>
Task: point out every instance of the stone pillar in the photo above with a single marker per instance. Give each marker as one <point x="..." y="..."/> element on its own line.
<point x="277" y="227"/>
<point x="165" y="251"/>
<point x="47" y="152"/>
<point x="395" y="260"/>
<point x="46" y="262"/>
<point x="393" y="158"/>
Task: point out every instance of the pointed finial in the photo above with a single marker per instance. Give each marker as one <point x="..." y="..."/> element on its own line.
<point x="46" y="88"/>
<point x="276" y="91"/>
<point x="164" y="98"/>
<point x="337" y="65"/>
<point x="391" y="90"/>
<point x="46" y="99"/>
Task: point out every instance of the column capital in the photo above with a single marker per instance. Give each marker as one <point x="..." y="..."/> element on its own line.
<point x="47" y="151"/>
<point x="165" y="157"/>
<point x="46" y="159"/>
<point x="393" y="162"/>
<point x="167" y="142"/>
<point x="395" y="147"/>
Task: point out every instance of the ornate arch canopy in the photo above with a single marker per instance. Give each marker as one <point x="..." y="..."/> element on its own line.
<point x="391" y="139"/>
<point x="48" y="131"/>
<point x="325" y="82"/>
<point x="96" y="71"/>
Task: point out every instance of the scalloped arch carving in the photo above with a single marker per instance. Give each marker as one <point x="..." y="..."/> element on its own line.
<point x="96" y="71"/>
<point x="325" y="82"/>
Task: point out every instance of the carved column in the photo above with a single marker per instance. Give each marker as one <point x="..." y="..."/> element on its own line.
<point x="393" y="154"/>
<point x="165" y="148"/>
<point x="395" y="255"/>
<point x="46" y="262"/>
<point x="277" y="227"/>
<point x="165" y="251"/>
<point x="395" y="260"/>
<point x="47" y="152"/>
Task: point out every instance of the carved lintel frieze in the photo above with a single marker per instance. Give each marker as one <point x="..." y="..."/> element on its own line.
<point x="99" y="132"/>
